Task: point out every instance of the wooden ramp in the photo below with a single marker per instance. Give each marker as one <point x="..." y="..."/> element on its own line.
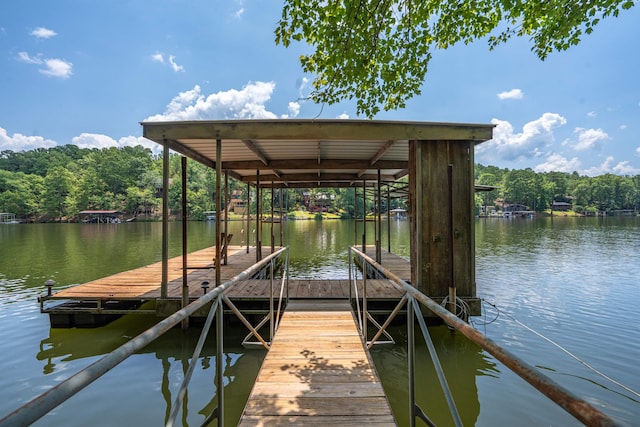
<point x="317" y="372"/>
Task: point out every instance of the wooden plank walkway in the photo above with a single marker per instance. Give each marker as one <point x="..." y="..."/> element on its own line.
<point x="144" y="283"/>
<point x="317" y="372"/>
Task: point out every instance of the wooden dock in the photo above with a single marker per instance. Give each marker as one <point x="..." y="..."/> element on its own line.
<point x="317" y="372"/>
<point x="143" y="284"/>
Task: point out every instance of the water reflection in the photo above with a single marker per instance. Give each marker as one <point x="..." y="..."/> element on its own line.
<point x="173" y="350"/>
<point x="462" y="361"/>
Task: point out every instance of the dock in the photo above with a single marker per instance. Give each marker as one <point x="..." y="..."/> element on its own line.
<point x="317" y="372"/>
<point x="99" y="301"/>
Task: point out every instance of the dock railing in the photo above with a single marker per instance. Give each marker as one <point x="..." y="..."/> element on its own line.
<point x="414" y="299"/>
<point x="42" y="404"/>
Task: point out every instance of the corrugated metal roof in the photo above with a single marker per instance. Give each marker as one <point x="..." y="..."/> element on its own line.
<point x="308" y="152"/>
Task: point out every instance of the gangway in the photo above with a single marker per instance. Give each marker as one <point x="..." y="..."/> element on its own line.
<point x="317" y="371"/>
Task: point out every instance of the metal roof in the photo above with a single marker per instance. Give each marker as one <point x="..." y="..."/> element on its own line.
<point x="308" y="152"/>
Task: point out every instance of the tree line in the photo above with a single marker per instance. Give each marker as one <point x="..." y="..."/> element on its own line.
<point x="55" y="184"/>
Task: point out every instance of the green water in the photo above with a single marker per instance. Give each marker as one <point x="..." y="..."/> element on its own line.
<point x="573" y="280"/>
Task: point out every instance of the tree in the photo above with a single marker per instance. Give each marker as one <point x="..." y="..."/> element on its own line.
<point x="57" y="195"/>
<point x="378" y="52"/>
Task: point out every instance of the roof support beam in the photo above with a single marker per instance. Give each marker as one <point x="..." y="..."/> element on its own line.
<point x="251" y="145"/>
<point x="378" y="155"/>
<point x="313" y="164"/>
<point x="381" y="151"/>
<point x="310" y="177"/>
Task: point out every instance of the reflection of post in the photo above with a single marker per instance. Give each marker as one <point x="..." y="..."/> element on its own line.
<point x="185" y="367"/>
<point x="166" y="392"/>
<point x="220" y="363"/>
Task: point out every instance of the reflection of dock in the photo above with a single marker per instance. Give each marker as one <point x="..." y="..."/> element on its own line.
<point x="316" y="370"/>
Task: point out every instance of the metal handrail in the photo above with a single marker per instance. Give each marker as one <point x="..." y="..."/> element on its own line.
<point x="577" y="407"/>
<point x="45" y="402"/>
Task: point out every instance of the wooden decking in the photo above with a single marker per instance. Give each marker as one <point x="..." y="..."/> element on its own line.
<point x="317" y="372"/>
<point x="143" y="284"/>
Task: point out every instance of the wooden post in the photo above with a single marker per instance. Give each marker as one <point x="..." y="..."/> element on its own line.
<point x="355" y="215"/>
<point x="185" y="283"/>
<point x="281" y="215"/>
<point x="388" y="218"/>
<point x="364" y="216"/>
<point x="165" y="221"/>
<point x="379" y="220"/>
<point x="226" y="213"/>
<point x="258" y="217"/>
<point x="442" y="243"/>
<point x="272" y="237"/>
<point x="248" y="212"/>
<point x="218" y="203"/>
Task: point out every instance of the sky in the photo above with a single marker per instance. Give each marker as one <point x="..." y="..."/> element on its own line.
<point x="88" y="72"/>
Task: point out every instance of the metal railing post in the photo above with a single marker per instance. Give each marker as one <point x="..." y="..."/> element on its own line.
<point x="271" y="326"/>
<point x="365" y="314"/>
<point x="350" y="275"/>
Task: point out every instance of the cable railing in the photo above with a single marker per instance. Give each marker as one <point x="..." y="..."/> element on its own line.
<point x="47" y="401"/>
<point x="414" y="299"/>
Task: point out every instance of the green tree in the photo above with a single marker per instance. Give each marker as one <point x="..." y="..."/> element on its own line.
<point x="378" y="52"/>
<point x="57" y="197"/>
<point x="20" y="193"/>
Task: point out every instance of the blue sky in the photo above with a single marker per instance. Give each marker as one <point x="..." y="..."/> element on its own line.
<point x="87" y="72"/>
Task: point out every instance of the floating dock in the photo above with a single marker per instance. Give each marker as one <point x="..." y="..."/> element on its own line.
<point x="100" y="301"/>
<point x="317" y="372"/>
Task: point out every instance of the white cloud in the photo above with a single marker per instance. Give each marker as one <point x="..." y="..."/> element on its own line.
<point x="603" y="168"/>
<point x="589" y="138"/>
<point x="174" y="65"/>
<point x="608" y="166"/>
<point x="294" y="109"/>
<point x="240" y="9"/>
<point x="57" y="68"/>
<point x="625" y="168"/>
<point x="43" y="33"/>
<point x="592" y="114"/>
<point x="25" y="57"/>
<point x="93" y="140"/>
<point x="344" y="116"/>
<point x="19" y="142"/>
<point x="509" y="145"/>
<point x="247" y="103"/>
<point x="53" y="67"/>
<point x="557" y="163"/>
<point x="99" y="141"/>
<point x="159" y="57"/>
<point x="511" y="94"/>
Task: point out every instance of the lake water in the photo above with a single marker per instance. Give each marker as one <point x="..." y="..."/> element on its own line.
<point x="573" y="280"/>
